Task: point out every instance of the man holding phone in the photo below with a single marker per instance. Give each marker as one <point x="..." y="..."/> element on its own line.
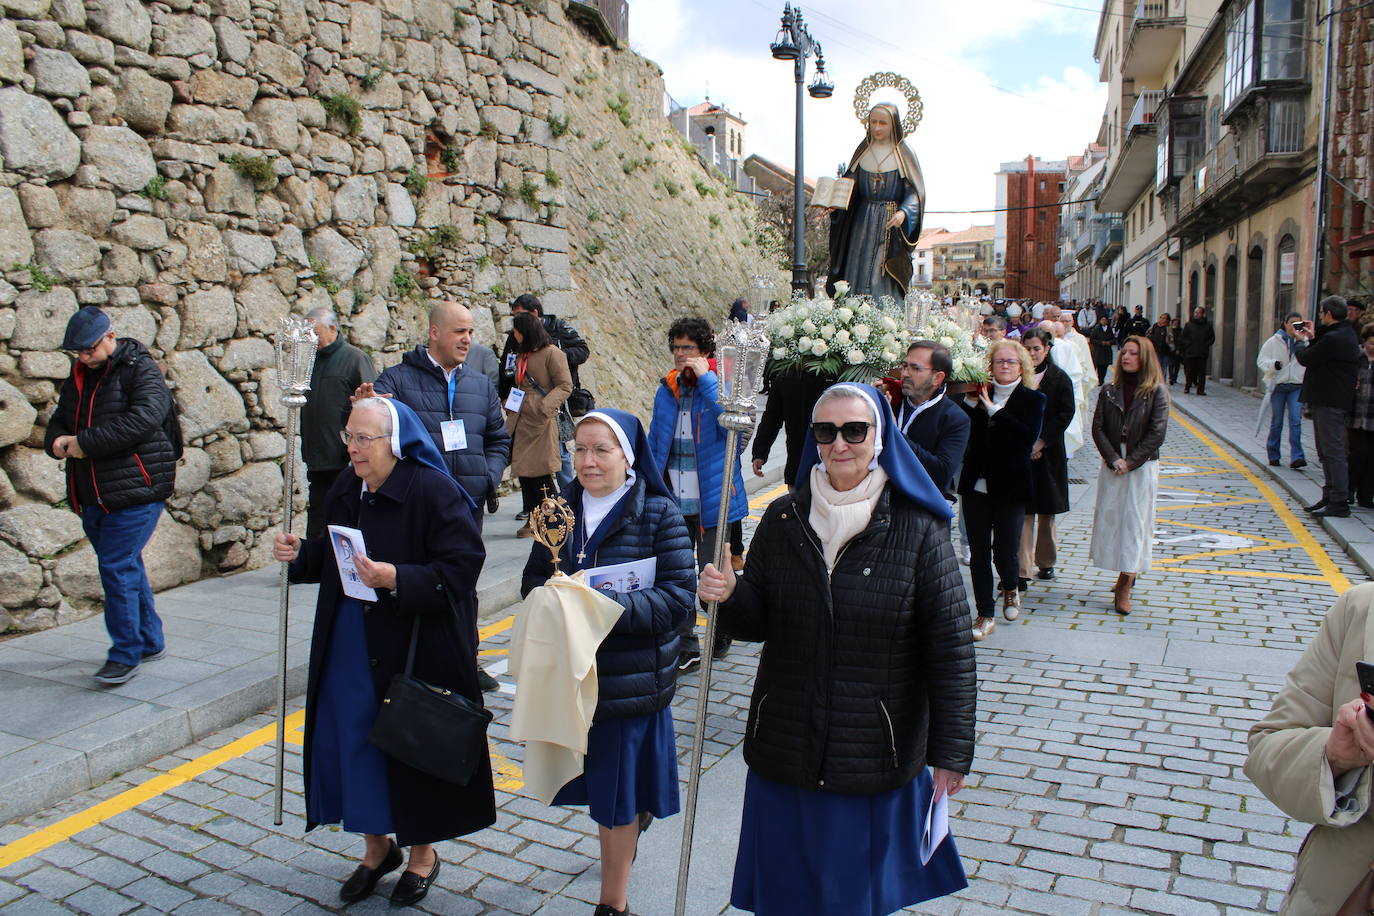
<point x="1332" y="358"/>
<point x="1282" y="375"/>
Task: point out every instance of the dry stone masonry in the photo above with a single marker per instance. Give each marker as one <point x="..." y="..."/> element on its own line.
<point x="202" y="168"/>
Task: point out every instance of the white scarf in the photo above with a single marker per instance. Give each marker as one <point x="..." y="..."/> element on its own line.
<point x="837" y="516"/>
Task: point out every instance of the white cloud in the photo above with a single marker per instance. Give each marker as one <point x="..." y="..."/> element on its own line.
<point x="1052" y="109"/>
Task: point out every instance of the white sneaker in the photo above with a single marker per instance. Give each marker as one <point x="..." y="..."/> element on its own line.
<point x="1011" y="604"/>
<point x="967" y="556"/>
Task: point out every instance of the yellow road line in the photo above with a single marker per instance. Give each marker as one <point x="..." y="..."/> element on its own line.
<point x="73" y="824"/>
<point x="1331" y="573"/>
<point x="1244" y="573"/>
<point x="1239" y="501"/>
<point x="1225" y="553"/>
<point x="500" y="626"/>
<point x="506" y="773"/>
<point x="1239" y="534"/>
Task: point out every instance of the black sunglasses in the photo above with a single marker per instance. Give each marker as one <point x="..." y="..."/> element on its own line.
<point x="854" y="432"/>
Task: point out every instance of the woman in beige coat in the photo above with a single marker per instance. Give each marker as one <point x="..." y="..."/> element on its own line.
<point x="1311" y="757"/>
<point x="542" y="384"/>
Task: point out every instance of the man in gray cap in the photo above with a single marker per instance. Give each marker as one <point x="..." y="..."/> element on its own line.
<point x="117" y="429"/>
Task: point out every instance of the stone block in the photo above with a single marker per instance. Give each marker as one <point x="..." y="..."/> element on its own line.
<point x="41" y="209"/>
<point x="70" y="255"/>
<point x="140" y="232"/>
<point x="267" y="444"/>
<point x="505" y="120"/>
<point x="368" y="327"/>
<point x="400" y="209"/>
<point x="226" y="456"/>
<point x="338" y="256"/>
<point x="193" y="472"/>
<point x="68" y="13"/>
<point x="77" y="575"/>
<point x="332" y="149"/>
<point x="172" y="555"/>
<point x="121" y="266"/>
<point x="125" y="22"/>
<point x="40" y="531"/>
<point x="35" y="474"/>
<point x="187" y="36"/>
<point x="87" y="210"/>
<point x="249" y="254"/>
<point x="34" y="138"/>
<point x="479" y="162"/>
<point x="276" y="65"/>
<point x="278" y="124"/>
<point x="233" y="44"/>
<point x="365" y="29"/>
<point x="207" y="316"/>
<point x="208" y="402"/>
<point x="308" y="201"/>
<point x="143" y="100"/>
<point x="44" y="364"/>
<point x="253" y="490"/>
<point x="537" y="235"/>
<point x="291" y="245"/>
<point x="355" y="201"/>
<point x="205" y="252"/>
<point x="214" y="87"/>
<point x="293" y="19"/>
<point x="263" y="305"/>
<point x="16" y="247"/>
<point x="11" y="52"/>
<point x="40" y="321"/>
<point x="133" y="321"/>
<point x="119" y="155"/>
<point x="524" y="73"/>
<point x="26" y="9"/>
<point x="20" y="580"/>
<point x="202" y="123"/>
<point x="17" y="415"/>
<point x="386" y="95"/>
<point x="57" y="73"/>
<point x="247" y="353"/>
<point x="91" y="49"/>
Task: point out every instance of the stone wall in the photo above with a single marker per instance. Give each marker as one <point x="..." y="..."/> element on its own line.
<point x="202" y="168"/>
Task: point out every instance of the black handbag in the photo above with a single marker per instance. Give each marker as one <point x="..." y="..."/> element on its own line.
<point x="433" y="729"/>
<point x="580" y="402"/>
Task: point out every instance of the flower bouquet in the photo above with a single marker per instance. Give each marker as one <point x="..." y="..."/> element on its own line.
<point x="849" y="338"/>
<point x="968" y="351"/>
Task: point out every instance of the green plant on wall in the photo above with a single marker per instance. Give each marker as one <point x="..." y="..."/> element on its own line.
<point x="551" y="178"/>
<point x="416" y="181"/>
<point x="39" y="278"/>
<point x="372" y="77"/>
<point x="704" y="189"/>
<point x="155" y="189"/>
<point x="595" y="246"/>
<point x="714" y="220"/>
<point x="321" y="277"/>
<point x="671" y="187"/>
<point x="558" y="125"/>
<point x="344" y="109"/>
<point x="528" y="192"/>
<point x="404" y="283"/>
<point x="451" y="158"/>
<point x="460" y="21"/>
<point x="620" y="106"/>
<point x="498" y="290"/>
<point x="488" y="130"/>
<point x="257" y="169"/>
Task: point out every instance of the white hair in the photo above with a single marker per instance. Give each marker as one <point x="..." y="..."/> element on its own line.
<point x="378" y="406"/>
<point x="324" y="316"/>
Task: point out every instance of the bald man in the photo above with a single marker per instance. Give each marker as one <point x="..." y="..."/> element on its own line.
<point x="457" y="405"/>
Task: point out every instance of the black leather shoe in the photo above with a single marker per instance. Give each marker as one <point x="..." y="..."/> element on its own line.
<point x="1022" y="584"/>
<point x="364" y="880"/>
<point x="605" y="909"/>
<point x="1274" y="462"/>
<point x="493" y="504"/>
<point x="721" y="647"/>
<point x="411" y="888"/>
<point x="1300" y="463"/>
<point x="1316" y="506"/>
<point x="1332" y="512"/>
<point x="1366" y="504"/>
<point x="1046" y="573"/>
<point x="112" y="673"/>
<point x="487" y="682"/>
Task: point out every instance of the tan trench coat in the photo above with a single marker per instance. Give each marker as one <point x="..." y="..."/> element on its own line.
<point x="534" y="430"/>
<point x="1287" y="759"/>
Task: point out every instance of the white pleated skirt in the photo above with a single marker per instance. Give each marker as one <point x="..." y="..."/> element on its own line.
<point x="1124" y="520"/>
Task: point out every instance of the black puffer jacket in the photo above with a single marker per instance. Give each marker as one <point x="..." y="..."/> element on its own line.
<point x="636" y="665"/>
<point x="420" y="385"/>
<point x="118" y="414"/>
<point x="867" y="673"/>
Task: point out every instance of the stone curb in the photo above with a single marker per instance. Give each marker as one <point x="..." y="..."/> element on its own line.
<point x="46" y="772"/>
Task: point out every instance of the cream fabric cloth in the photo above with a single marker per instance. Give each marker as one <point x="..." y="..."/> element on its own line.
<point x="838" y="516"/>
<point x="1124" y="519"/>
<point x="553" y="660"/>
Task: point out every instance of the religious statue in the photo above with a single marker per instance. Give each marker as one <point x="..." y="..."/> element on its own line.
<point x="871" y="240"/>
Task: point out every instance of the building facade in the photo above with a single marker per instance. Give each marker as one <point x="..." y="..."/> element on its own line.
<point x="1350" y="209"/>
<point x="1086" y="238"/>
<point x="962" y="262"/>
<point x="1025" y="234"/>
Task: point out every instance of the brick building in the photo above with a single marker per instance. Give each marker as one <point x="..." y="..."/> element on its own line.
<point x="1026" y="236"/>
<point x="1350" y="259"/>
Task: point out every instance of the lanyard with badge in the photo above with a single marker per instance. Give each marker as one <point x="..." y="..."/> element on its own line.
<point x="453" y="431"/>
<point x="517" y="396"/>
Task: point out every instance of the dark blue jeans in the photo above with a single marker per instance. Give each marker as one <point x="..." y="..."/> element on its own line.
<point x="118" y="538"/>
<point x="1285" y="398"/>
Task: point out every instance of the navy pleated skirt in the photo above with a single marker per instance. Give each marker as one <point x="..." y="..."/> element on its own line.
<point x="631" y="766"/>
<point x="803" y="852"/>
<point x="348" y="775"/>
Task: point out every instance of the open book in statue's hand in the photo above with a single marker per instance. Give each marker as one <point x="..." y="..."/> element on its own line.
<point x="833" y="192"/>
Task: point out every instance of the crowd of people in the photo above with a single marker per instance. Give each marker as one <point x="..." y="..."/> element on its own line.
<point x="863" y="711"/>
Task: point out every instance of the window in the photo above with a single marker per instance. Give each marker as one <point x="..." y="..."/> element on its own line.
<point x="1288" y="254"/>
<point x="1152" y="206"/>
<point x="1182" y="140"/>
<point x="1282" y="51"/>
<point x="1239" y="66"/>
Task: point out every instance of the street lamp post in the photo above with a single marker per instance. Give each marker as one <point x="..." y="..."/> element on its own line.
<point x="794" y="43"/>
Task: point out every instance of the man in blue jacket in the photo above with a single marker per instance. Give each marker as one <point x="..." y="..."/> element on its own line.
<point x="936" y="427"/>
<point x="688" y="448"/>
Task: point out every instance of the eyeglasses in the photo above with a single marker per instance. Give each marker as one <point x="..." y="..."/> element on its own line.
<point x="854" y="432"/>
<point x="912" y="367"/>
<point x="363" y="441"/>
<point x="1006" y="362"/>
<point x="87" y="351"/>
<point x="601" y="451"/>
<point x="684" y="348"/>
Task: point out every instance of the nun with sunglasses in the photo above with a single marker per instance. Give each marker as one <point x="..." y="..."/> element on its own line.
<point x="864" y="705"/>
<point x="625" y="514"/>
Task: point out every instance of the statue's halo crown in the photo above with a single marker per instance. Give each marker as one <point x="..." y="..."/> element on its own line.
<point x="915" y="109"/>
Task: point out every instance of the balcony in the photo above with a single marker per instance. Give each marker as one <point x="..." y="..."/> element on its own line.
<point x="1108" y="239"/>
<point x="608" y="20"/>
<point x="1259" y="155"/>
<point x="1134" y="168"/>
<point x="1156" y="28"/>
<point x="1065" y="267"/>
<point x="1083" y="242"/>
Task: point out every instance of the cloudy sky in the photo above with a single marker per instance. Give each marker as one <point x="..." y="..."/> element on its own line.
<point x="1000" y="79"/>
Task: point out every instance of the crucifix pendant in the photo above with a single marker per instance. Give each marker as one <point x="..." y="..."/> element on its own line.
<point x="581" y="557"/>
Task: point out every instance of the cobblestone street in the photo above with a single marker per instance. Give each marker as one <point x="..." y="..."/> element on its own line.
<point x="1107" y="780"/>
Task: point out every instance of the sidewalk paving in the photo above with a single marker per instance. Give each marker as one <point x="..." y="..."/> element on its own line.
<point x="1229" y="414"/>
<point x="62" y="733"/>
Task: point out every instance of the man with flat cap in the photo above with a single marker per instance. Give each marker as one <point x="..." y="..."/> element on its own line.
<point x="116" y="427"/>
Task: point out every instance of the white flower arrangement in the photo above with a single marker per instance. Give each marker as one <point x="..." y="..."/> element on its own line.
<point x="965" y="350"/>
<point x="852" y="338"/>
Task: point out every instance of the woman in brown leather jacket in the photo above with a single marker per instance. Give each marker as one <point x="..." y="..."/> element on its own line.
<point x="1128" y="428"/>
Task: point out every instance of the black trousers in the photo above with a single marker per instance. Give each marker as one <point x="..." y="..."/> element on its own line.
<point x="1362" y="464"/>
<point x="705" y="543"/>
<point x="1195" y="373"/>
<point x="532" y="490"/>
<point x="1175" y="363"/>
<point x="993" y="535"/>
<point x="1102" y="371"/>
<point x="317" y="486"/>
<point x="1328" y="423"/>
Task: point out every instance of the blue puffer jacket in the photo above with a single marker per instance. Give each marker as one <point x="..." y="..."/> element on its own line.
<point x="636" y="666"/>
<point x="710" y="444"/>
<point x="418" y="383"/>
